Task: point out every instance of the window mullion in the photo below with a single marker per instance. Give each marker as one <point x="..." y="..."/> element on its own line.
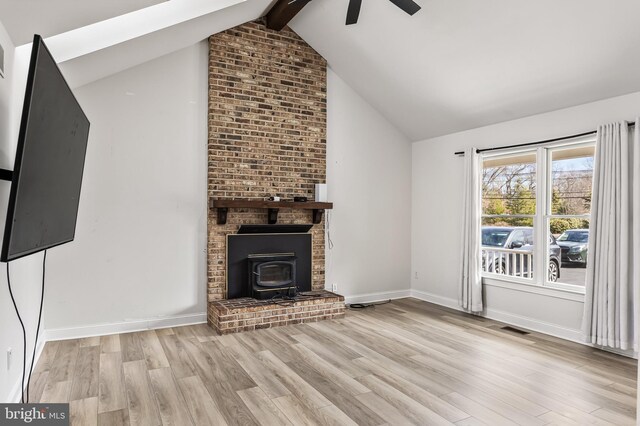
<point x="540" y="244"/>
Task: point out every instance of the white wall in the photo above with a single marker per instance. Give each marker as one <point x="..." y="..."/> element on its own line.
<point x="139" y="257"/>
<point x="25" y="273"/>
<point x="437" y="213"/>
<point x="369" y="180"/>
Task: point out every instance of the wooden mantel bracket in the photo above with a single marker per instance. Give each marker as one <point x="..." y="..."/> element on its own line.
<point x="222" y="215"/>
<point x="272" y="216"/>
<point x="317" y="215"/>
<point x="283" y="12"/>
<point x="222" y="207"/>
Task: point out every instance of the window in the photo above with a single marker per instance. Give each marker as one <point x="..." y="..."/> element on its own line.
<point x="570" y="177"/>
<point x="508" y="214"/>
<point x="541" y="194"/>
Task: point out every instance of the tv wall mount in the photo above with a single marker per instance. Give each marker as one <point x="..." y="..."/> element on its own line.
<point x="6" y="175"/>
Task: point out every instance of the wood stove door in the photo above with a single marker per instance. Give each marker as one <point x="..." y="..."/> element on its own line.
<point x="275" y="273"/>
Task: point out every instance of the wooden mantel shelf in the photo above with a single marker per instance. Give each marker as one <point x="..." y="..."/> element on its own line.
<point x="222" y="206"/>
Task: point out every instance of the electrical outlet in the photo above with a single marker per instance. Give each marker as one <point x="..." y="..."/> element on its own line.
<point x="9" y="355"/>
<point x="415" y="275"/>
<point x="334" y="288"/>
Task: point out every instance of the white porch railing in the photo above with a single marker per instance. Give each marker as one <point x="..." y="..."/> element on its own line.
<point x="509" y="262"/>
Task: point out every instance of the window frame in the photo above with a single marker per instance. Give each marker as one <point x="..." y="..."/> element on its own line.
<point x="543" y="214"/>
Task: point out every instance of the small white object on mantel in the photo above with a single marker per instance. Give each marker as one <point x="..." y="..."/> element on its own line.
<point x="321" y="193"/>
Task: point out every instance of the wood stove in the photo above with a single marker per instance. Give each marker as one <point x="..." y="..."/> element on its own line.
<point x="272" y="275"/>
<point x="265" y="263"/>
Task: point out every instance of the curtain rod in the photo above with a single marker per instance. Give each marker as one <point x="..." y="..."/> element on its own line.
<point x="629" y="123"/>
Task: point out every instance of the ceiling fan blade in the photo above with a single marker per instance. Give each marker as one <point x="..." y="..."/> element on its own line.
<point x="353" y="11"/>
<point x="408" y="6"/>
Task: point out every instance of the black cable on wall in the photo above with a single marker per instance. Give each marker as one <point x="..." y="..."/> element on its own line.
<point x="24" y="332"/>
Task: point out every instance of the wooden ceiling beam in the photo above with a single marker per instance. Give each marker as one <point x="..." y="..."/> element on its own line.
<point x="283" y="12"/>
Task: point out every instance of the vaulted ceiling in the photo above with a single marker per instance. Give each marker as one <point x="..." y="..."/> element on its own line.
<point x="453" y="66"/>
<point x="457" y="65"/>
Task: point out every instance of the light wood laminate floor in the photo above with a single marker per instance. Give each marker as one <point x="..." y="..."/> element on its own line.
<point x="407" y="362"/>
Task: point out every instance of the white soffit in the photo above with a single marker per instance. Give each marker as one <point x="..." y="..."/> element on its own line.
<point x="95" y="51"/>
<point x="23" y="18"/>
<point x="101" y="35"/>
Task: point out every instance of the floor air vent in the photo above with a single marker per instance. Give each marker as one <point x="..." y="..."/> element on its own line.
<point x="514" y="330"/>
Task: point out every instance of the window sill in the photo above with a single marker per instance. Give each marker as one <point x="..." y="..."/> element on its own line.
<point x="535" y="289"/>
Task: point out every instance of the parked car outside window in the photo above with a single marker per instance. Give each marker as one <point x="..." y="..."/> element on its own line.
<point x="574" y="244"/>
<point x="509" y="251"/>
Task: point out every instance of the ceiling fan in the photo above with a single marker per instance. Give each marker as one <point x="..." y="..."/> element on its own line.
<point x="353" y="10"/>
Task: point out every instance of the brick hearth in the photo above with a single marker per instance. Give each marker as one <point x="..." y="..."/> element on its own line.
<point x="245" y="314"/>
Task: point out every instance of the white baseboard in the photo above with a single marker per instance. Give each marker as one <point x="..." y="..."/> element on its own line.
<point x="536" y="325"/>
<point x="438" y="300"/>
<point x="543" y="327"/>
<point x="377" y="297"/>
<point x="506" y="317"/>
<point x="124" y="327"/>
<point x="15" y="395"/>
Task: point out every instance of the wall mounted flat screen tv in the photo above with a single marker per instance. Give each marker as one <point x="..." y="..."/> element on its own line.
<point x="47" y="175"/>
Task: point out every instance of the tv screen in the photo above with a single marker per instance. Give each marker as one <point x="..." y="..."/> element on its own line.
<point x="47" y="175"/>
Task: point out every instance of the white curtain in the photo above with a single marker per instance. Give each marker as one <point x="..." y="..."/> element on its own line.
<point x="613" y="272"/>
<point x="470" y="294"/>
